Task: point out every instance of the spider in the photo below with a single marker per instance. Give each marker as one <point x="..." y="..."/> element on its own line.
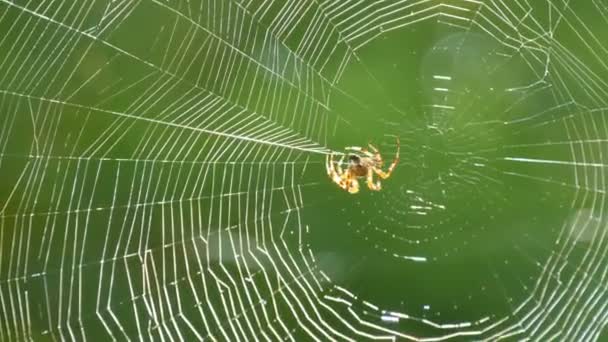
<point x="361" y="163"/>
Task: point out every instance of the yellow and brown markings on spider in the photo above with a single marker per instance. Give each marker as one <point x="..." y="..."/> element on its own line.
<point x="362" y="162"/>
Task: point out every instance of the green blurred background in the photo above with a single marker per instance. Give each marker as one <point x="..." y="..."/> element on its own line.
<point x="163" y="170"/>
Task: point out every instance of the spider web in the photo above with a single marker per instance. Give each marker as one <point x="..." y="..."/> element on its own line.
<point x="162" y="169"/>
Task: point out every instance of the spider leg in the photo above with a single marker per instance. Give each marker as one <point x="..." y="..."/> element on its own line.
<point x="373" y="148"/>
<point x="385" y="175"/>
<point x="339" y="167"/>
<point x="370" y="181"/>
<point x="362" y="150"/>
<point x="349" y="181"/>
<point x="398" y="149"/>
<point x="353" y="184"/>
<point x="382" y="174"/>
<point x="328" y="163"/>
<point x="368" y="153"/>
<point x="338" y="175"/>
<point x="376" y="153"/>
<point x="331" y="171"/>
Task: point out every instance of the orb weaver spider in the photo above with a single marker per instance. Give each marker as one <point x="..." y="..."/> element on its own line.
<point x="361" y="163"/>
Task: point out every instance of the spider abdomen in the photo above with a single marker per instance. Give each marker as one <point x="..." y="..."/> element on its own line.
<point x="358" y="170"/>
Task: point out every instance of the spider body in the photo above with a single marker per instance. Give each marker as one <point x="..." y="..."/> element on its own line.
<point x="361" y="163"/>
<point x="357" y="166"/>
